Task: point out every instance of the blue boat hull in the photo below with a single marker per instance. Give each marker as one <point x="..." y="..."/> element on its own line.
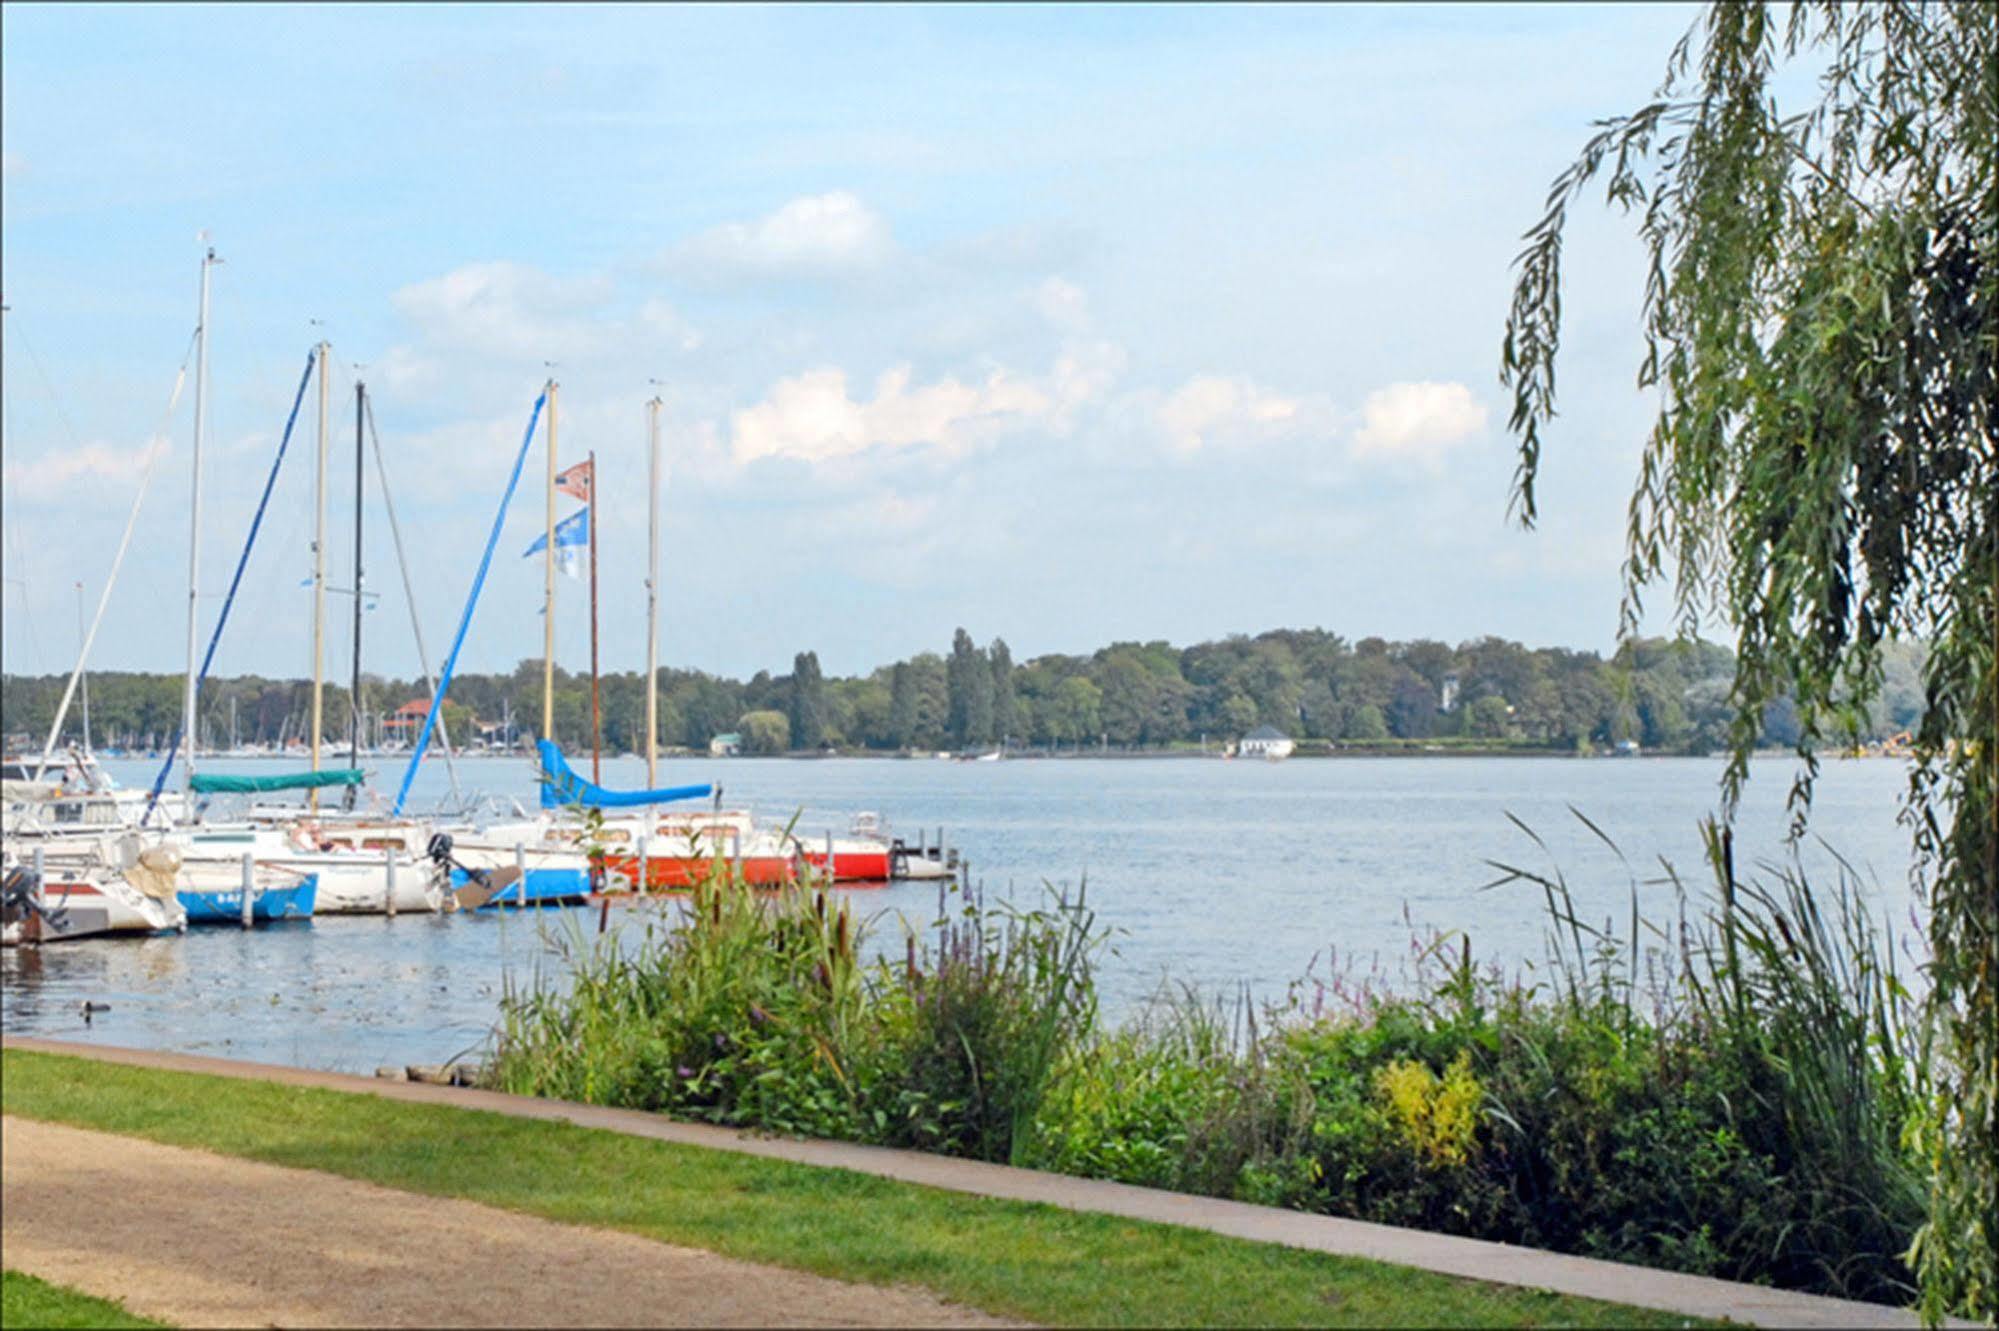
<point x="277" y="903"/>
<point x="545" y="887"/>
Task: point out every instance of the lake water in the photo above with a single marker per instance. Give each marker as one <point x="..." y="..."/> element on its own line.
<point x="1216" y="874"/>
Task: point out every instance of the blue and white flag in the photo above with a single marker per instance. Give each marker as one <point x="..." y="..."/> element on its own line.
<point x="572" y="538"/>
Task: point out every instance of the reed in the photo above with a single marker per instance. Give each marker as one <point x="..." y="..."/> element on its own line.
<point x="752" y="1007"/>
<point x="1723" y="1087"/>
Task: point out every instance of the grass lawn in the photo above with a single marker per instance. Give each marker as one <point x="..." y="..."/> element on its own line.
<point x="1017" y="1259"/>
<point x="26" y="1301"/>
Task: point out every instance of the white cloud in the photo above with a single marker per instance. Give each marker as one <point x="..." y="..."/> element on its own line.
<point x="663" y="320"/>
<point x="818" y="235"/>
<point x="13" y="164"/>
<point x="1210" y="409"/>
<point x="811" y="417"/>
<point x="495" y="327"/>
<point x="1417" y="420"/>
<point x="54" y="473"/>
<point x="507" y="309"/>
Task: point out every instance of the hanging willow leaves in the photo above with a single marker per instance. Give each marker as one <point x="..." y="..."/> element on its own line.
<point x="1822" y="473"/>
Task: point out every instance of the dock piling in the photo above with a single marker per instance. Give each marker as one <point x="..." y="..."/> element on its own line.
<point x="249" y="887"/>
<point x="389" y="881"/>
<point x="521" y="870"/>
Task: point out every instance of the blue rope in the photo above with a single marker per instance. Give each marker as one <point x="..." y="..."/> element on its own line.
<point x="242" y="561"/>
<point x="465" y="620"/>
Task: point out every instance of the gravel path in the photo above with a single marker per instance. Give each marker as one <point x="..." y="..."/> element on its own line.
<point x="206" y="1240"/>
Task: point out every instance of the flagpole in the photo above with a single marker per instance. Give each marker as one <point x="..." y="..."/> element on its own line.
<point x="319" y="578"/>
<point x="548" y="589"/>
<point x="596" y="728"/>
<point x="652" y="600"/>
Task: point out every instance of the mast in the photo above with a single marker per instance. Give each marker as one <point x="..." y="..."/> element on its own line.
<point x="354" y="689"/>
<point x="82" y="642"/>
<point x="319" y="581"/>
<point x="652" y="596"/>
<point x="194" y="536"/>
<point x="548" y="588"/>
<point x="596" y="730"/>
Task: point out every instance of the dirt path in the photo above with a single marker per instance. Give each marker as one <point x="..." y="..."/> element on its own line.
<point x="206" y="1240"/>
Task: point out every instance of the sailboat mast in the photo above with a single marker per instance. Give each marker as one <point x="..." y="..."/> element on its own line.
<point x="652" y="596"/>
<point x="548" y="588"/>
<point x="82" y="642"/>
<point x="194" y="536"/>
<point x="319" y="580"/>
<point x="354" y="689"/>
<point x="596" y="728"/>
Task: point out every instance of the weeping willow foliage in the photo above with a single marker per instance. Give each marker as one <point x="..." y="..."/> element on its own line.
<point x="1819" y="328"/>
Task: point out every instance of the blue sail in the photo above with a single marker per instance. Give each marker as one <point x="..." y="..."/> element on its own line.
<point x="242" y="560"/>
<point x="560" y="786"/>
<point x="465" y="620"/>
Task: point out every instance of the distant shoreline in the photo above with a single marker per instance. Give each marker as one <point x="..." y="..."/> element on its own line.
<point x="1112" y="755"/>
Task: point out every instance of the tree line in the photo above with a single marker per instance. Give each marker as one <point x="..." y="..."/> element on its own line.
<point x="1310" y="684"/>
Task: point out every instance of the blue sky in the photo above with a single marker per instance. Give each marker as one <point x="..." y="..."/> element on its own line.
<point x="1066" y="325"/>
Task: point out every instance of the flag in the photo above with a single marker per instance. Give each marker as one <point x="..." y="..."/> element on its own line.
<point x="577" y="482"/>
<point x="572" y="538"/>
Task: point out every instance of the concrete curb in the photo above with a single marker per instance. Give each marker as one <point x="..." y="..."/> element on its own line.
<point x="1472" y="1259"/>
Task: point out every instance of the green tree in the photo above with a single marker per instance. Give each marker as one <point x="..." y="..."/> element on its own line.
<point x="1077" y="712"/>
<point x="1367" y="723"/>
<point x="902" y="706"/>
<point x="1488" y="718"/>
<point x="1006" y="716"/>
<point x="969" y="678"/>
<point x="808" y="702"/>
<point x="765" y="731"/>
<point x="1819" y="325"/>
<point x="1238" y="715"/>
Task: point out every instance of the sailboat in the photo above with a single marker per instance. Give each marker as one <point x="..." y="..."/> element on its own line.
<point x="357" y="874"/>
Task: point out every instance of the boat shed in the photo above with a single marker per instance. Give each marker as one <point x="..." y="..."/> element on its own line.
<point x="1266" y="742"/>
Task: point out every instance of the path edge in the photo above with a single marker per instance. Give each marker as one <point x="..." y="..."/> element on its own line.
<point x="1474" y="1259"/>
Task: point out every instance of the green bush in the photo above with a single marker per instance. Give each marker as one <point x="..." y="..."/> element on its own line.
<point x="1725" y="1094"/>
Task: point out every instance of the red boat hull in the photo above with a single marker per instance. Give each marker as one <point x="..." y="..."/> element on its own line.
<point x="853" y="866"/>
<point x="678" y="873"/>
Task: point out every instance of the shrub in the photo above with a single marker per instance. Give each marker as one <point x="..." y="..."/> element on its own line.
<point x="1729" y="1098"/>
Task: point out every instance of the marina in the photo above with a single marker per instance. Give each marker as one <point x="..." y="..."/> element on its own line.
<point x="1220" y="876"/>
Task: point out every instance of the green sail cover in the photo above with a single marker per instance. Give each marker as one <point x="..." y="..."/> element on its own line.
<point x="253" y="785"/>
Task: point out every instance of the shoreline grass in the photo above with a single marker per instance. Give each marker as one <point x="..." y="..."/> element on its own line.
<point x="29" y="1301"/>
<point x="1016" y="1259"/>
<point x="1722" y="1089"/>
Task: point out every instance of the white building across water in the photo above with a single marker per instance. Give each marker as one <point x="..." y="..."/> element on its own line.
<point x="1266" y="742"/>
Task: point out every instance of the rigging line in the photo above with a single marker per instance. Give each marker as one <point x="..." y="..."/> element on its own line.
<point x="48" y="385"/>
<point x="241" y="561"/>
<point x="13" y="530"/>
<point x="409" y="594"/>
<point x="154" y="454"/>
<point x="465" y="620"/>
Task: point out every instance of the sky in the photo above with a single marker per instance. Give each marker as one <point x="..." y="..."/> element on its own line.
<point x="1065" y="325"/>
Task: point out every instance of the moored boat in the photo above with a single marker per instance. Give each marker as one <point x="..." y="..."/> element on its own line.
<point x="57" y="904"/>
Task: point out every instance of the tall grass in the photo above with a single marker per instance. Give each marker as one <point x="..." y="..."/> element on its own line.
<point x="752" y="1007"/>
<point x="1724" y="1090"/>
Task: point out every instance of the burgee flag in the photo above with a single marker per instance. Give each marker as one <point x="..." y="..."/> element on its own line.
<point x="572" y="538"/>
<point x="577" y="482"/>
